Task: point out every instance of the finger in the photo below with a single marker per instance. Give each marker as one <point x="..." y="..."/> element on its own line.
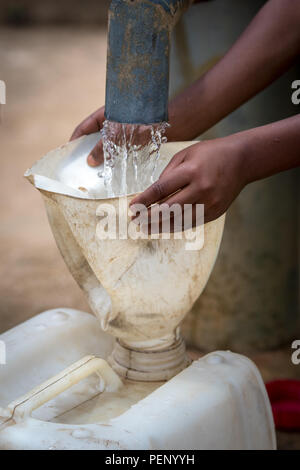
<point x="185" y="196"/>
<point x="178" y="212"/>
<point x="178" y="159"/>
<point x="162" y="188"/>
<point x="174" y="162"/>
<point x="95" y="158"/>
<point x="202" y="210"/>
<point x="92" y="123"/>
<point x="181" y="216"/>
<point x="88" y="126"/>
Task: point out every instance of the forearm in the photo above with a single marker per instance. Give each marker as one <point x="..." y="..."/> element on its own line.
<point x="269" y="149"/>
<point x="264" y="51"/>
<point x="213" y="172"/>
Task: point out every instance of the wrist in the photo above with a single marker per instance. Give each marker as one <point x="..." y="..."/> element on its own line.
<point x="239" y="147"/>
<point x="187" y="117"/>
<point x="177" y="120"/>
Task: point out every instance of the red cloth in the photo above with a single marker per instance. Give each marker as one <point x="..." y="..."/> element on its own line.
<point x="285" y="400"/>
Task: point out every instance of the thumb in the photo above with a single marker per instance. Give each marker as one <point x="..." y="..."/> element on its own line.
<point x="96" y="157"/>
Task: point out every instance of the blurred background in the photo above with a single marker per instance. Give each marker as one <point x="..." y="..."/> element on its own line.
<point x="53" y="59"/>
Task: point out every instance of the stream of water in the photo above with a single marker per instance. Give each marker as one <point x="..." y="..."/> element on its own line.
<point x="131" y="152"/>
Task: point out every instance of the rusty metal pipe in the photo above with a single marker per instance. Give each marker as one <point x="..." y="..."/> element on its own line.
<point x="137" y="77"/>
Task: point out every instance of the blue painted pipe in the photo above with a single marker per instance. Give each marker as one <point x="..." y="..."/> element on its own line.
<point x="137" y="77"/>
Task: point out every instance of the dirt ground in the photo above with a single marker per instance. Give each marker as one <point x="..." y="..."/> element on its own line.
<point x="54" y="78"/>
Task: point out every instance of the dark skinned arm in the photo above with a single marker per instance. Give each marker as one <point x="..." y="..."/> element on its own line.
<point x="213" y="172"/>
<point x="261" y="54"/>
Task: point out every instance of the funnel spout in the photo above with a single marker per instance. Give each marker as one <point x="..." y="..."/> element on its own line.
<point x="137" y="77"/>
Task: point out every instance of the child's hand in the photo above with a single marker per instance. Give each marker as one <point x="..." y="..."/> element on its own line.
<point x="209" y="173"/>
<point x="92" y="123"/>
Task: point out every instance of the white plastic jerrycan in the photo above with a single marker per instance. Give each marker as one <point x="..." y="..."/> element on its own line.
<point x="218" y="402"/>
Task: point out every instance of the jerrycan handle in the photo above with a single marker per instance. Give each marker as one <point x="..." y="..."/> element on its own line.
<point x="38" y="396"/>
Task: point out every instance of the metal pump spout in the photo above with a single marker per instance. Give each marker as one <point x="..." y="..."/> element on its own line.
<point x="137" y="77"/>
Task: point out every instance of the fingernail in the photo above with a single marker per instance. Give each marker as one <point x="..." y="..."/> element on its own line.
<point x="91" y="161"/>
